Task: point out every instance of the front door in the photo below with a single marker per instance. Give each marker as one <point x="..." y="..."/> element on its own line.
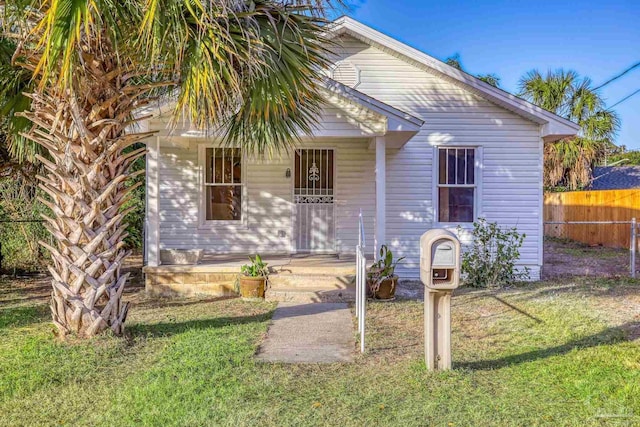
<point x="314" y="197"/>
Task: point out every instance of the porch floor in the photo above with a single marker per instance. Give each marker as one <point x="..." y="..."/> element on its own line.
<point x="298" y="263"/>
<point x="292" y="278"/>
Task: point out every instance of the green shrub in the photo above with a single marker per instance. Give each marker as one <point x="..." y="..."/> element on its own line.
<point x="19" y="240"/>
<point x="136" y="204"/>
<point x="491" y="259"/>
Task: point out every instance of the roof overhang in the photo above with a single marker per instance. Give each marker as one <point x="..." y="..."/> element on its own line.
<point x="380" y="119"/>
<point x="368" y="116"/>
<point x="554" y="127"/>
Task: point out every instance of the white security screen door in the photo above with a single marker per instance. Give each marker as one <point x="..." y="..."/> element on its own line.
<point x="314" y="196"/>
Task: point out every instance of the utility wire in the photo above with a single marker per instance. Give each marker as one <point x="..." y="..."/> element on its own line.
<point x="624" y="99"/>
<point x="614" y="78"/>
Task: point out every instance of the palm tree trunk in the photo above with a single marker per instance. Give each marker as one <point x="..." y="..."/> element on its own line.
<point x="83" y="127"/>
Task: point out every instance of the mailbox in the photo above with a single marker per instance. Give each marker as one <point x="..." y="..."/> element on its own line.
<point x="440" y="260"/>
<point x="440" y="274"/>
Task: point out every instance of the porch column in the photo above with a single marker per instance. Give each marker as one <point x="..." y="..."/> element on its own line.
<point x="381" y="196"/>
<point x="152" y="221"/>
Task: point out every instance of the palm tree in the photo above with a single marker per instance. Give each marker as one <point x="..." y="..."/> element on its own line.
<point x="491" y="78"/>
<point x="17" y="155"/>
<point x="569" y="162"/>
<point x="247" y="69"/>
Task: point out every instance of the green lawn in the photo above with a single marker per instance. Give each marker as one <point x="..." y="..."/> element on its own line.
<point x="548" y="354"/>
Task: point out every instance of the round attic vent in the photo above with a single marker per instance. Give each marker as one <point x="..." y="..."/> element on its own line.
<point x="346" y="73"/>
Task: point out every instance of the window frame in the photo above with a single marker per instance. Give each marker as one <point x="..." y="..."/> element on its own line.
<point x="202" y="189"/>
<point x="477" y="185"/>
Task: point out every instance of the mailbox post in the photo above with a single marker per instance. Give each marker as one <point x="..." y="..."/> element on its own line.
<point x="440" y="274"/>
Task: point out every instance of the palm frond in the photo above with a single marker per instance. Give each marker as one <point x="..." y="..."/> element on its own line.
<point x="245" y="70"/>
<point x="14" y="82"/>
<point x="282" y="102"/>
<point x="550" y="92"/>
<point x="491" y="79"/>
<point x="569" y="162"/>
<point x="602" y="125"/>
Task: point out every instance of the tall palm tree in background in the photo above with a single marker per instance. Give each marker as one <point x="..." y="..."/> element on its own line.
<point x="491" y="78"/>
<point x="247" y="69"/>
<point x="569" y="162"/>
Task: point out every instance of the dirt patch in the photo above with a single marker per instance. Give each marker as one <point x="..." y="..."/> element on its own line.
<point x="564" y="258"/>
<point x="35" y="288"/>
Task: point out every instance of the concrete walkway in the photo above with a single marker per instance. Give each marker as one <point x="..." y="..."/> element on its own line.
<point x="309" y="333"/>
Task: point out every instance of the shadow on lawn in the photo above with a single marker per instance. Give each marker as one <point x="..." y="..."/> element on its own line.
<point x="16" y="317"/>
<point x="593" y="287"/>
<point x="174" y="328"/>
<point x="155" y="303"/>
<point x="626" y="332"/>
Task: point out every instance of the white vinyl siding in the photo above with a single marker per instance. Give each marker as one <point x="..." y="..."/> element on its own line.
<point x="510" y="179"/>
<point x="267" y="225"/>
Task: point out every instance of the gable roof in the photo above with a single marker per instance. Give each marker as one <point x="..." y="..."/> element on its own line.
<point x="380" y="107"/>
<point x="615" y="178"/>
<point x="554" y="126"/>
<point x="373" y="117"/>
<point x="397" y="126"/>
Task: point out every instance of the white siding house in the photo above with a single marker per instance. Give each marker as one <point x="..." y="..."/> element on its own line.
<point x="380" y="148"/>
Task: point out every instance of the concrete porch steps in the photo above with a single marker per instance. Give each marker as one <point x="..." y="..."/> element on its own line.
<point x="300" y="280"/>
<point x="310" y="294"/>
<point x="311" y="280"/>
<point x="312" y="286"/>
<point x="298" y="295"/>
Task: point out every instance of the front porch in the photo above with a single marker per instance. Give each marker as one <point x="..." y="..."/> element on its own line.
<point x="231" y="204"/>
<point x="295" y="278"/>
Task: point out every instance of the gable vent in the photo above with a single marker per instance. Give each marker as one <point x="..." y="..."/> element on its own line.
<point x="346" y="73"/>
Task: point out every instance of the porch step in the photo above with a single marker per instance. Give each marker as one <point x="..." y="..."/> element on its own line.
<point x="315" y="280"/>
<point x="291" y="279"/>
<point x="314" y="286"/>
<point x="310" y="294"/>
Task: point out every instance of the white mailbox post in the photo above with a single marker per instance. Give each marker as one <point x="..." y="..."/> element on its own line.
<point x="440" y="274"/>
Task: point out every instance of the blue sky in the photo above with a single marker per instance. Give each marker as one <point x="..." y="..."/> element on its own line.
<point x="597" y="39"/>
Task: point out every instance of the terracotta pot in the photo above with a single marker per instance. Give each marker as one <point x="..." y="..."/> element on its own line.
<point x="387" y="289"/>
<point x="252" y="287"/>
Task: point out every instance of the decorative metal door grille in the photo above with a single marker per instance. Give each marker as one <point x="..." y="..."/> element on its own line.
<point x="314" y="198"/>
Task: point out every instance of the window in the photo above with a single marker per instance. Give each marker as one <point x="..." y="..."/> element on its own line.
<point x="456" y="184"/>
<point x="223" y="184"/>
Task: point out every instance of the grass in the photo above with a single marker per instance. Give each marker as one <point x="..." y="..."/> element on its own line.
<point x="545" y="354"/>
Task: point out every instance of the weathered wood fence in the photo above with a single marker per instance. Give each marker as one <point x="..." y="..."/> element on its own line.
<point x="603" y="205"/>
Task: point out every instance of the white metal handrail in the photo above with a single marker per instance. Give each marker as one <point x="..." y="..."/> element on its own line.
<point x="361" y="281"/>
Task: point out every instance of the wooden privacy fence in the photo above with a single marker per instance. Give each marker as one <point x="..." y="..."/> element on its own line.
<point x="584" y="206"/>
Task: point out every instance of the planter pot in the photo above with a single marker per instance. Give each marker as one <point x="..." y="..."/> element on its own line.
<point x="387" y="289"/>
<point x="252" y="287"/>
<point x="181" y="256"/>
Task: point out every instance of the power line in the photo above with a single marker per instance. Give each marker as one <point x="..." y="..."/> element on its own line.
<point x="624" y="99"/>
<point x="614" y="78"/>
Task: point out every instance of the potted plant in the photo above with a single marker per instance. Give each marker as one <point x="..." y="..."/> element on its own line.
<point x="382" y="279"/>
<point x="254" y="278"/>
